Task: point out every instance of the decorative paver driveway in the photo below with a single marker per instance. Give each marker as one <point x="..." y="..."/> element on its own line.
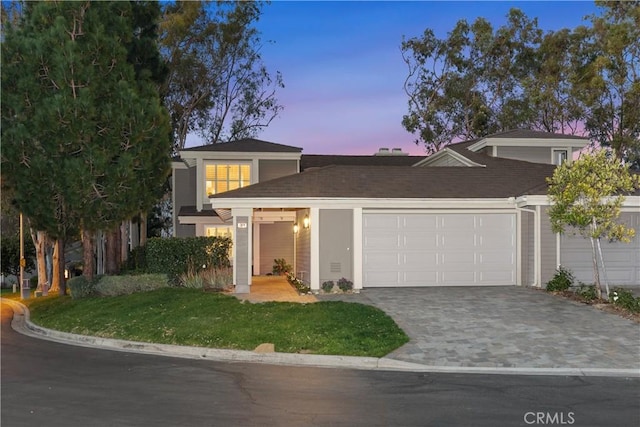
<point x="504" y="327"/>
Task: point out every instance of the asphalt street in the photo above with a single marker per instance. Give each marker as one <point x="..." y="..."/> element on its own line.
<point x="51" y="384"/>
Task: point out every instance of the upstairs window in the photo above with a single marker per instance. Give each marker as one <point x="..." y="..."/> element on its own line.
<point x="221" y="177"/>
<point x="559" y="157"/>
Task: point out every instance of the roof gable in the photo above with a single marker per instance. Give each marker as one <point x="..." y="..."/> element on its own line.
<point x="247" y="145"/>
<point x="450" y="158"/>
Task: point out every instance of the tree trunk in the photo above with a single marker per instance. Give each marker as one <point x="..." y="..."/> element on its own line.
<point x="39" y="241"/>
<point x="604" y="269"/>
<point x="59" y="266"/>
<point x="124" y="239"/>
<point x="88" y="260"/>
<point x="113" y="252"/>
<point x="143" y="229"/>
<point x="596" y="273"/>
<point x="58" y="282"/>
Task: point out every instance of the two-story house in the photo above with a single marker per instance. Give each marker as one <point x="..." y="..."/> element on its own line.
<point x="472" y="214"/>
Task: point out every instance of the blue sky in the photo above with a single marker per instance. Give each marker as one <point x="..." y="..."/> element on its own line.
<point x="343" y="70"/>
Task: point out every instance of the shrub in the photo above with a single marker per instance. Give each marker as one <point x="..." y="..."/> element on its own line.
<point x="561" y="281"/>
<point x="112" y="286"/>
<point x="302" y="287"/>
<point x="280" y="266"/>
<point x="175" y="256"/>
<point x="136" y="260"/>
<point x="345" y="285"/>
<point x="210" y="279"/>
<point x="327" y="286"/>
<point x="80" y="287"/>
<point x="624" y="298"/>
<point x="191" y="280"/>
<point x="587" y="292"/>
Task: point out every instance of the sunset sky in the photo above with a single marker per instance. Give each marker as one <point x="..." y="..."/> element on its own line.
<point x="343" y="70"/>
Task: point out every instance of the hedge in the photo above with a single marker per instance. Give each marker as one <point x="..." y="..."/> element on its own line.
<point x="179" y="255"/>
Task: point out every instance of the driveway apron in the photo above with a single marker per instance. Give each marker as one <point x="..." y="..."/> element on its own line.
<point x="514" y="327"/>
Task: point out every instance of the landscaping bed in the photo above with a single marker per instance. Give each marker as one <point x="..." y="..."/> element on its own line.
<point x="206" y="319"/>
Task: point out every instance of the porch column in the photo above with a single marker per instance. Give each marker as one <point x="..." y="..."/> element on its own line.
<point x="242" y="248"/>
<point x="357" y="249"/>
<point x="314" y="261"/>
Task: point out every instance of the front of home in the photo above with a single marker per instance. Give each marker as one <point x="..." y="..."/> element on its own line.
<point x="473" y="214"/>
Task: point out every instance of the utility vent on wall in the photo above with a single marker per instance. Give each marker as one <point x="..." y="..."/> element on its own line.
<point x="336" y="267"/>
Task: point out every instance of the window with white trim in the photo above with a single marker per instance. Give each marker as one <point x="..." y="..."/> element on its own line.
<point x="559" y="157"/>
<point x="221" y="177"/>
<point x="211" y="231"/>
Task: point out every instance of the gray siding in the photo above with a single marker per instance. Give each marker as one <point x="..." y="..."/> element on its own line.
<point x="271" y="169"/>
<point x="276" y="241"/>
<point x="185" y="195"/>
<point x="336" y="244"/>
<point x="527" y="246"/>
<point x="529" y="154"/>
<point x="548" y="246"/>
<point x="303" y="249"/>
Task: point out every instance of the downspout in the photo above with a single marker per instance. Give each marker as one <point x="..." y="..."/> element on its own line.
<point x="536" y="244"/>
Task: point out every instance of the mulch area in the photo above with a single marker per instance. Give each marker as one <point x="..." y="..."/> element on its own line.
<point x="601" y="304"/>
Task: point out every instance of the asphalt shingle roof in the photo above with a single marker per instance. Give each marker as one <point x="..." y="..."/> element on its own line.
<point x="510" y="178"/>
<point x="321" y="160"/>
<point x="247" y="145"/>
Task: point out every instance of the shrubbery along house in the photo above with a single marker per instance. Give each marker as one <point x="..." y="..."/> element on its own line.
<point x="473" y="214"/>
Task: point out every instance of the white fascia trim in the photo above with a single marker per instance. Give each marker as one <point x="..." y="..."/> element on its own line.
<point x="178" y="165"/>
<point x="367" y="203"/>
<point x="201" y="220"/>
<point x="539" y="200"/>
<point x="448" y="153"/>
<point x="534" y="142"/>
<point x="237" y="155"/>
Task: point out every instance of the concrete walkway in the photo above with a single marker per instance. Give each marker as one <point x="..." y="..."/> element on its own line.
<point x="504" y="327"/>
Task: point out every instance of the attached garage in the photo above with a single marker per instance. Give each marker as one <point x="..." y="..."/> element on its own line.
<point x="443" y="249"/>
<point x="622" y="260"/>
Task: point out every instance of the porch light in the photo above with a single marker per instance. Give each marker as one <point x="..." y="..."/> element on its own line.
<point x="295" y="227"/>
<point x="305" y="222"/>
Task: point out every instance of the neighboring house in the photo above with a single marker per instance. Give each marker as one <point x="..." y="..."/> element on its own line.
<point x="471" y="214"/>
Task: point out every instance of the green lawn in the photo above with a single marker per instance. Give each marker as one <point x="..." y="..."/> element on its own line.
<point x="205" y="319"/>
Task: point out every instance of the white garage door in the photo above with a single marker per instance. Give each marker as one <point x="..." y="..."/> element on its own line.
<point x="420" y="249"/>
<point x="622" y="260"/>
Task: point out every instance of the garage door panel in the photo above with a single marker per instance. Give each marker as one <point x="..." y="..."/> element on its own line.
<point x="418" y="240"/>
<point x="457" y="240"/>
<point x="381" y="278"/>
<point x="382" y="240"/>
<point x="418" y="222"/>
<point x="622" y="260"/>
<point x="419" y="278"/>
<point x="457" y="278"/>
<point x="439" y="249"/>
<point x="496" y="277"/>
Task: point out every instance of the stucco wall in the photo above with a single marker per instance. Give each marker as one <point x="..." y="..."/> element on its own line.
<point x="529" y="154"/>
<point x="548" y="245"/>
<point x="336" y="244"/>
<point x="276" y="241"/>
<point x="184" y="195"/>
<point x="527" y="247"/>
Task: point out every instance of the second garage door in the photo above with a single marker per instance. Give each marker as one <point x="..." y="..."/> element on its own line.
<point x="456" y="249"/>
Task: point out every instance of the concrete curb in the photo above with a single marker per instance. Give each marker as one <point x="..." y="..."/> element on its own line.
<point x="22" y="324"/>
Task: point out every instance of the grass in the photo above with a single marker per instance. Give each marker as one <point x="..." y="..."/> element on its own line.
<point x="196" y="318"/>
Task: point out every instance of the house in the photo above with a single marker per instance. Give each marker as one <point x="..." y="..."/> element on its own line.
<point x="471" y="214"/>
